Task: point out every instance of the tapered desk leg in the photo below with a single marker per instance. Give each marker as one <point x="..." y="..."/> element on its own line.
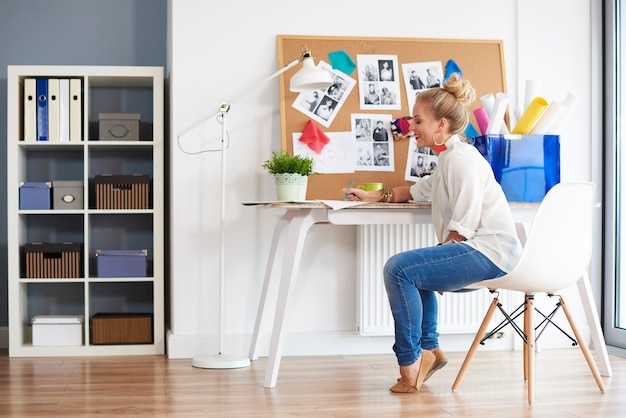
<point x="597" y="337"/>
<point x="300" y="224"/>
<point x="278" y="230"/>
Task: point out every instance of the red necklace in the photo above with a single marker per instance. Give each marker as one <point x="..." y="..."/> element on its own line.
<point x="439" y="147"/>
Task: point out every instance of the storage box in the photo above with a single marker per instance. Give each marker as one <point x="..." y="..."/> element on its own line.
<point x="122" y="191"/>
<point x="67" y="194"/>
<point x="122" y="328"/>
<point x="35" y="195"/>
<point x="122" y="263"/>
<point x="119" y="126"/>
<point x="57" y="330"/>
<point x="526" y="166"/>
<point x="43" y="260"/>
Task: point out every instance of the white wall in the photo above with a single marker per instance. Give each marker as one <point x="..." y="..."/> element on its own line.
<point x="219" y="50"/>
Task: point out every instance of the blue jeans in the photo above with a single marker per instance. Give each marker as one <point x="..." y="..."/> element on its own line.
<point x="412" y="279"/>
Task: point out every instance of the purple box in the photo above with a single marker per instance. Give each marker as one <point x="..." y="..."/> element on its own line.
<point x="122" y="263"/>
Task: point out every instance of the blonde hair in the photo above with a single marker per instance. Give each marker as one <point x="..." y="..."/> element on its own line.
<point x="451" y="102"/>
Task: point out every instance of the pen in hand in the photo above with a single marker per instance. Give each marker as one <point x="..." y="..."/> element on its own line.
<point x="350" y="186"/>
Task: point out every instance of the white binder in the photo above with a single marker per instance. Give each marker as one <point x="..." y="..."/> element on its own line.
<point x="53" y="110"/>
<point x="30" y="109"/>
<point x="76" y="110"/>
<point x="64" y="109"/>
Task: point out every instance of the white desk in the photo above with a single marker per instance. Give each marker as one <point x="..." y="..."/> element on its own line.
<point x="300" y="217"/>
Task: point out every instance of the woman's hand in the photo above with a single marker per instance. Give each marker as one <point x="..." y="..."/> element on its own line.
<point x="454" y="236"/>
<point x="360" y="195"/>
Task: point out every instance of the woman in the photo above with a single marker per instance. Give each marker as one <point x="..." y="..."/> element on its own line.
<point x="363" y="130"/>
<point x="431" y="80"/>
<point x="325" y="109"/>
<point x="471" y="218"/>
<point x="386" y="73"/>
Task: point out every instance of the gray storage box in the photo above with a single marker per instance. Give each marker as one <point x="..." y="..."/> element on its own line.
<point x="122" y="263"/>
<point x="67" y="194"/>
<point x="119" y="126"/>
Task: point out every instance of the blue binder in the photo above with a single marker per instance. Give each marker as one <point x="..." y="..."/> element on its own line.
<point x="42" y="109"/>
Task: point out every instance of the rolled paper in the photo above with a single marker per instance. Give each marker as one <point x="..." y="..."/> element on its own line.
<point x="496" y="117"/>
<point x="533" y="89"/>
<point x="568" y="104"/>
<point x="548" y="120"/>
<point x="531" y="116"/>
<point x="488" y="100"/>
<point x="482" y="119"/>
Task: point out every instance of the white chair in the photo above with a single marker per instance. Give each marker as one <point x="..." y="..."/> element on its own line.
<point x="556" y="254"/>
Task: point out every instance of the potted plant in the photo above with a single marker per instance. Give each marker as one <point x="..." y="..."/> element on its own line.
<point x="291" y="173"/>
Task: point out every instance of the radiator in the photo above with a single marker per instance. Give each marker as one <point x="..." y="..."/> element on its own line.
<point x="459" y="313"/>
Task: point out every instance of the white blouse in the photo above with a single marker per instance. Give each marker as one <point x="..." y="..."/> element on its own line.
<point x="467" y="198"/>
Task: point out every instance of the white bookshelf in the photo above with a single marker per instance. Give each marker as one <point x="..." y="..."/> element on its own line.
<point x="105" y="89"/>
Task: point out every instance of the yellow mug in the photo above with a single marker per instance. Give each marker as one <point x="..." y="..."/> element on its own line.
<point x="371" y="186"/>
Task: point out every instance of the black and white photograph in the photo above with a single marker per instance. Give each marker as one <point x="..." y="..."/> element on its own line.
<point x="372" y="135"/>
<point x="381" y="132"/>
<point x="363" y="128"/>
<point x="421" y="161"/>
<point x="326" y="108"/>
<point x="323" y="105"/>
<point x="419" y="76"/>
<point x="379" y="86"/>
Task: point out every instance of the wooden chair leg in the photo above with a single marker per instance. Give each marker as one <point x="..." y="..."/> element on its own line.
<point x="479" y="336"/>
<point x="583" y="347"/>
<point x="525" y="341"/>
<point x="530" y="346"/>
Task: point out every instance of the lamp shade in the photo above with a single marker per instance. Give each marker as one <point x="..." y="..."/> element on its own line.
<point x="310" y="77"/>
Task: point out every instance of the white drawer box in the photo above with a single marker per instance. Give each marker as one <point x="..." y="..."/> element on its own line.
<point x="57" y="330"/>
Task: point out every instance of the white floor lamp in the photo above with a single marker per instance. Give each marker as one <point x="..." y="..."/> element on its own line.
<point x="309" y="77"/>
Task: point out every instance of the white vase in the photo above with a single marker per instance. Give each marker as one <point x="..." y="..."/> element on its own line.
<point x="291" y="187"/>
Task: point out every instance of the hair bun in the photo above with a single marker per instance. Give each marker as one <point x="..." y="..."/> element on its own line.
<point x="461" y="89"/>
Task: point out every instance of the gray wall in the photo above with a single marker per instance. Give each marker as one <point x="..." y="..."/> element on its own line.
<point x="72" y="32"/>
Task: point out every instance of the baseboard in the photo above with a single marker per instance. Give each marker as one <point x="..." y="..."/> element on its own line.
<point x="4" y="337"/>
<point x="313" y="344"/>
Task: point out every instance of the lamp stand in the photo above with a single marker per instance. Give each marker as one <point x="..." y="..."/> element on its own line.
<point x="308" y="78"/>
<point x="221" y="361"/>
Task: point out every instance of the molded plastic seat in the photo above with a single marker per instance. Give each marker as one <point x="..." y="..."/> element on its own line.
<point x="556" y="254"/>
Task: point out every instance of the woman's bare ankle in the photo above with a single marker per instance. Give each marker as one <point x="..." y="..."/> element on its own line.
<point x="409" y="373"/>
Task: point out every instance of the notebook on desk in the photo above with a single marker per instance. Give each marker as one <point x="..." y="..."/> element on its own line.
<point x="334" y="204"/>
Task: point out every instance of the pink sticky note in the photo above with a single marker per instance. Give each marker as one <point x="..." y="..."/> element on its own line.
<point x="314" y="137"/>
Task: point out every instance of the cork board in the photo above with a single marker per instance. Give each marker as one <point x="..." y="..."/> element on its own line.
<point x="481" y="61"/>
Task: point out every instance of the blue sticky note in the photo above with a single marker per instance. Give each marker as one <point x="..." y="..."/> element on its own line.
<point x="340" y="60"/>
<point x="470" y="132"/>
<point x="451" y="68"/>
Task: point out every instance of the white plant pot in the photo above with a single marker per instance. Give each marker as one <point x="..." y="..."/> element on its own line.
<point x="291" y="187"/>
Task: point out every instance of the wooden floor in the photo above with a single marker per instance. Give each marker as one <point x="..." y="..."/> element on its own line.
<point x="325" y="386"/>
